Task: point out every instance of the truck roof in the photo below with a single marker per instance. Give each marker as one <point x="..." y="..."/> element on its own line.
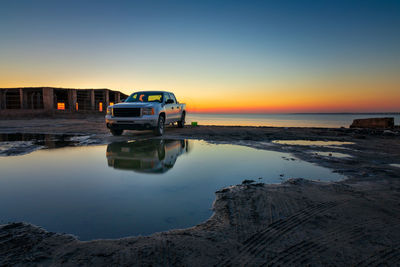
<point x="159" y="92"/>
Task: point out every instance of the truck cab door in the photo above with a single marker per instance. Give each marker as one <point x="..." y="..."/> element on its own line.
<point x="169" y="109"/>
<point x="177" y="108"/>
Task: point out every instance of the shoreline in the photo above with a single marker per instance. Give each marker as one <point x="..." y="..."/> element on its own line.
<point x="354" y="221"/>
<point x="296" y="120"/>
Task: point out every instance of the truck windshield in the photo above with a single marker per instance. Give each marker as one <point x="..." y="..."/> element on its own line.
<point x="145" y="97"/>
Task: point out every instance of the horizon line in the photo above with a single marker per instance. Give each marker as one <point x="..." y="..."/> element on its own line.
<point x="299" y="113"/>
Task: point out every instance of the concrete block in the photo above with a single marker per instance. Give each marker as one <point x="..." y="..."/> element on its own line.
<point x="381" y="123"/>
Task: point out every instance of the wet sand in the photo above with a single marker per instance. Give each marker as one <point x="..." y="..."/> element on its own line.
<point x="299" y="222"/>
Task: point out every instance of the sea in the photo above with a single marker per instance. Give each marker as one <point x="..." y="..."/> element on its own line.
<point x="325" y="120"/>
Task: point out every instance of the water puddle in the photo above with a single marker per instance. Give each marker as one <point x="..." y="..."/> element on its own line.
<point x="330" y="154"/>
<point x="135" y="187"/>
<point x="311" y="143"/>
<point x="23" y="143"/>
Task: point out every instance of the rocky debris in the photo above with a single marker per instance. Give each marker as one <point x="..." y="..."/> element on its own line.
<point x="297" y="181"/>
<point x="245" y="182"/>
<point x="17" y="148"/>
<point x="390" y="133"/>
<point x="16" y="144"/>
<point x="380" y="123"/>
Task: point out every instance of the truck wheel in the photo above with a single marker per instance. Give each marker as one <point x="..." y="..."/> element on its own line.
<point x="181" y="123"/>
<point x="116" y="132"/>
<point x="161" y="150"/>
<point x="159" y="130"/>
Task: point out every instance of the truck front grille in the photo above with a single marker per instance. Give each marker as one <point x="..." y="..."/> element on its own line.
<point x="129" y="164"/>
<point x="126" y="112"/>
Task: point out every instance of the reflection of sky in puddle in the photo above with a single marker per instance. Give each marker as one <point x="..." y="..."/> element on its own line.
<point x="395" y="165"/>
<point x="310" y="143"/>
<point x="330" y="154"/>
<point x="134" y="188"/>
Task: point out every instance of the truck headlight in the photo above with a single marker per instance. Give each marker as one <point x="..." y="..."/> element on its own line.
<point x="148" y="111"/>
<point x="109" y="111"/>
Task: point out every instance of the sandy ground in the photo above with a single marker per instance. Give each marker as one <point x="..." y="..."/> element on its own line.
<point x="299" y="222"/>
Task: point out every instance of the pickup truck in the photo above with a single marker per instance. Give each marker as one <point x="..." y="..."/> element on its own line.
<point x="146" y="156"/>
<point x="146" y="110"/>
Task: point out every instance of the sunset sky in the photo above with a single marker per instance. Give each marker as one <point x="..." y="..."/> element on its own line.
<point x="217" y="56"/>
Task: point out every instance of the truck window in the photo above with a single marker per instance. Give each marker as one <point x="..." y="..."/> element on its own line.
<point x="153" y="98"/>
<point x="167" y="96"/>
<point x="145" y="97"/>
<point x="173" y="97"/>
<point x="170" y="97"/>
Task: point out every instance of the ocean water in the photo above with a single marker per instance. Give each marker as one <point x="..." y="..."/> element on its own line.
<point x="283" y="120"/>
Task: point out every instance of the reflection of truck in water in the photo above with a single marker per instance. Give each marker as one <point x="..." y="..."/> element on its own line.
<point x="148" y="156"/>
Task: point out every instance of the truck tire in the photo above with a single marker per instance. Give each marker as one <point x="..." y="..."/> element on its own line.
<point x="181" y="123"/>
<point x="116" y="132"/>
<point x="161" y="150"/>
<point x="159" y="130"/>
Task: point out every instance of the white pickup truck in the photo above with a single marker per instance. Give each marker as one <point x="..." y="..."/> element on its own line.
<point x="146" y="110"/>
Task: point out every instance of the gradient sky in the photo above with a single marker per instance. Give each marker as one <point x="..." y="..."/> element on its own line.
<point x="224" y="56"/>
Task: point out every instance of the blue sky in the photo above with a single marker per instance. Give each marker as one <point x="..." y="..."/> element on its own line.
<point x="259" y="45"/>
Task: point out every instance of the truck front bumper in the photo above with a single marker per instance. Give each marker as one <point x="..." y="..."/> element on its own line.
<point x="132" y="123"/>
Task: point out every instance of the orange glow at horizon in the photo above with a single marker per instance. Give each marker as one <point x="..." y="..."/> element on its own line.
<point x="356" y="99"/>
<point x="372" y="94"/>
<point x="298" y="104"/>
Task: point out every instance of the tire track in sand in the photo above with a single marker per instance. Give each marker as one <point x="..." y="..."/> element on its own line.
<point x="307" y="249"/>
<point x="261" y="240"/>
<point x="385" y="257"/>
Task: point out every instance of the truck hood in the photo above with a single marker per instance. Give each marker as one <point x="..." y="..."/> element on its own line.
<point x="132" y="105"/>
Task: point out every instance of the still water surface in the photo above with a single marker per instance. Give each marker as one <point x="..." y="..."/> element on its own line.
<point x="284" y="120"/>
<point x="136" y="187"/>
